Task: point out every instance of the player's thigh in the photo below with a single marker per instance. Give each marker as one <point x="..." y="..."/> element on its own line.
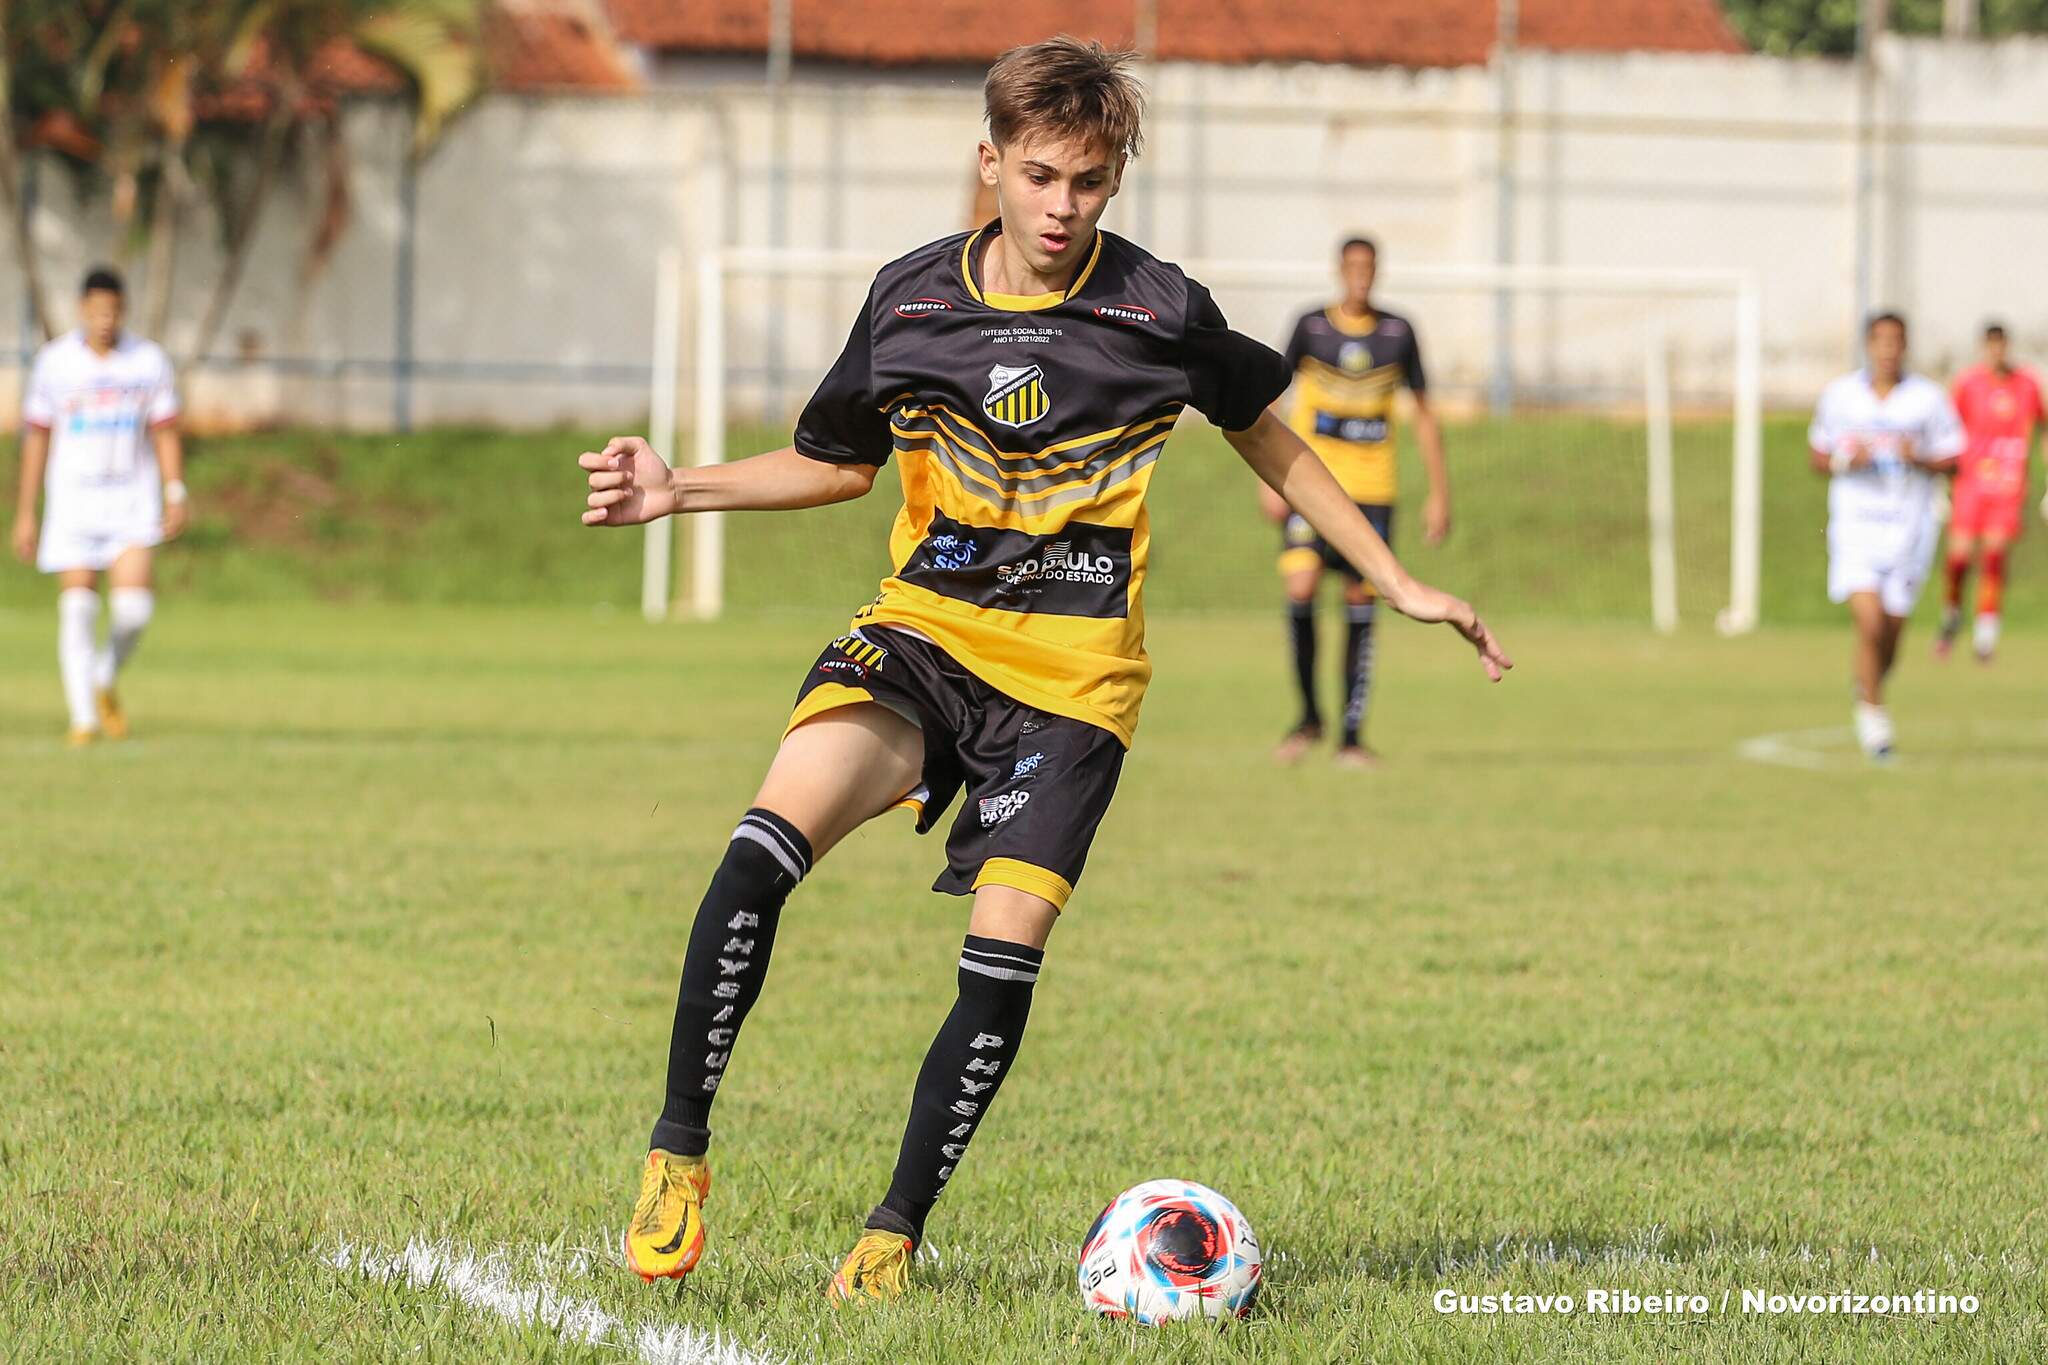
<point x="134" y="567"/>
<point x="1961" y="542"/>
<point x="840" y="768"/>
<point x="1866" y="610"/>
<point x="1012" y="915"/>
<point x="77" y="578"/>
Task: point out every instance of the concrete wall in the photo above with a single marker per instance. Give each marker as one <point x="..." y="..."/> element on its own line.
<point x="536" y="224"/>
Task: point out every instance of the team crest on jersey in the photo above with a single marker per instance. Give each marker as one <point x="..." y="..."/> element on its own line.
<point x="1355" y="357"/>
<point x="1016" y="395"/>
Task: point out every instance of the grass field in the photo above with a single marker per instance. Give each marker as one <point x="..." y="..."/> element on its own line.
<point x="371" y="936"/>
<point x="1550" y="524"/>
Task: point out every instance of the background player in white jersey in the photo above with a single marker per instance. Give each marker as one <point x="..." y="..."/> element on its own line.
<point x="1882" y="435"/>
<point x="100" y="450"/>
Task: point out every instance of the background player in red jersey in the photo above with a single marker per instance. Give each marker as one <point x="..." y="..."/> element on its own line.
<point x="2001" y="409"/>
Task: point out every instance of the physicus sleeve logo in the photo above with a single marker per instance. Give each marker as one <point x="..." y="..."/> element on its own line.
<point x="1016" y="395"/>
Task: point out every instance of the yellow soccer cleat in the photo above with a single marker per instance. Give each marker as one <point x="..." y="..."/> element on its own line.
<point x="878" y="1267"/>
<point x="113" y="720"/>
<point x="666" y="1235"/>
<point x="79" y="739"/>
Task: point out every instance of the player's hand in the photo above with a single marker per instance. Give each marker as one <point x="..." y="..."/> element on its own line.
<point x="1436" y="519"/>
<point x="629" y="484"/>
<point x="2044" y="507"/>
<point x="176" y="515"/>
<point x="1273" y="505"/>
<point x="1424" y="603"/>
<point x="25" y="538"/>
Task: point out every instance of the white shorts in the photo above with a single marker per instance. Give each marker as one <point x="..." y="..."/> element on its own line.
<point x="89" y="526"/>
<point x="1881" y="559"/>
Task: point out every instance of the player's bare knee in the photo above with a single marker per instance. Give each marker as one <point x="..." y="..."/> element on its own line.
<point x="1013" y="915"/>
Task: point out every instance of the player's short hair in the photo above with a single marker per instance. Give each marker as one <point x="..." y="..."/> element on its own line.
<point x="102" y="277"/>
<point x="1365" y="243"/>
<point x="1067" y="88"/>
<point x="1878" y="320"/>
<point x="1994" y="331"/>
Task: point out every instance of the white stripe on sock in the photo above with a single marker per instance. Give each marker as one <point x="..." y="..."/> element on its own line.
<point x="999" y="973"/>
<point x="754" y="834"/>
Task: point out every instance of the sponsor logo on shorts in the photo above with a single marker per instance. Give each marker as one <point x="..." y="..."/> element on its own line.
<point x="1031" y="727"/>
<point x="1025" y="765"/>
<point x="996" y="809"/>
<point x="918" y="308"/>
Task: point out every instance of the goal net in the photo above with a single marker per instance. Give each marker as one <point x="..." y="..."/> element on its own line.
<point x="1602" y="429"/>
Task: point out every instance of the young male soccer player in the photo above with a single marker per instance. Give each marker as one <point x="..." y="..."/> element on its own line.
<point x="1881" y="435"/>
<point x="1025" y="377"/>
<point x="1348" y="362"/>
<point x="2001" y="409"/>
<point x="100" y="448"/>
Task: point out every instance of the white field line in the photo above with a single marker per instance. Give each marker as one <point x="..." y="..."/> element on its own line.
<point x="488" y="1284"/>
<point x="1792" y="748"/>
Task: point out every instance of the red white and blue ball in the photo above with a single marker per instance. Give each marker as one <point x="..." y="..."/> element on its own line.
<point x="1167" y="1250"/>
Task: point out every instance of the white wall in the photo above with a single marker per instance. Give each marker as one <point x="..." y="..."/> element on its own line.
<point x="538" y="220"/>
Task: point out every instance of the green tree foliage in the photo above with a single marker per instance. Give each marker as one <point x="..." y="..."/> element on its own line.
<point x="1829" y="26"/>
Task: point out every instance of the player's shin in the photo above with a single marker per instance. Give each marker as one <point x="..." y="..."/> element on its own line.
<point x="1301" y="634"/>
<point x="1358" y="648"/>
<point x="128" y="614"/>
<point x="78" y="614"/>
<point x="723" y="969"/>
<point x="973" y="1052"/>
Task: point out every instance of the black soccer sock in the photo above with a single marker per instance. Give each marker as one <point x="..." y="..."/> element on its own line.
<point x="1301" y="628"/>
<point x="723" y="969"/>
<point x="968" y="1060"/>
<point x="1357" y="668"/>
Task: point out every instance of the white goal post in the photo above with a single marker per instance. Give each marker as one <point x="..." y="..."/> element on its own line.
<point x="1738" y="290"/>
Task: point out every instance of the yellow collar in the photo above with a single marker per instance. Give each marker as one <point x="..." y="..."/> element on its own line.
<point x="1023" y="303"/>
<point x="1349" y="328"/>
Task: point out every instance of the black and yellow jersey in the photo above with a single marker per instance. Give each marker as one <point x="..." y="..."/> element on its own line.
<point x="1346" y="373"/>
<point x="1026" y="431"/>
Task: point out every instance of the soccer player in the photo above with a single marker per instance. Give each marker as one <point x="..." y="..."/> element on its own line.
<point x="2001" y="409"/>
<point x="1881" y="435"/>
<point x="100" y="448"/>
<point x="1348" y="362"/>
<point x="1025" y="377"/>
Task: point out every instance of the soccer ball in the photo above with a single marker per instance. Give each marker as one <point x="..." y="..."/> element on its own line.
<point x="1167" y="1250"/>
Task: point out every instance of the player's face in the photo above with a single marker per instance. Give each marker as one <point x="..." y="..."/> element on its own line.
<point x="1051" y="194"/>
<point x="1356" y="271"/>
<point x="1994" y="353"/>
<point x="99" y="314"/>
<point x="1886" y="347"/>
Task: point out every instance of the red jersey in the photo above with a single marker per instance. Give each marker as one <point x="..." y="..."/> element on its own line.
<point x="2000" y="414"/>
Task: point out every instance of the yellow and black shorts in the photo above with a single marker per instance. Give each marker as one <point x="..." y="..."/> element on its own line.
<point x="1301" y="548"/>
<point x="1036" y="784"/>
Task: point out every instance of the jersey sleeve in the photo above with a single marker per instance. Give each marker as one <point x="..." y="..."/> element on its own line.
<point x="1231" y="378"/>
<point x="1826" y="430"/>
<point x="39" y="403"/>
<point x="1411" y="364"/>
<point x="1944" y="432"/>
<point x="843" y="423"/>
<point x="1297" y="345"/>
<point x="163" y="398"/>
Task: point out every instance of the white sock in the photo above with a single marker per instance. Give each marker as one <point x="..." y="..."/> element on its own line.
<point x="1986" y="634"/>
<point x="78" y="617"/>
<point x="1873" y="727"/>
<point x="128" y="612"/>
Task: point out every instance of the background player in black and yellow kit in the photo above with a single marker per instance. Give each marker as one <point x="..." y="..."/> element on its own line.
<point x="1024" y="378"/>
<point x="1350" y="361"/>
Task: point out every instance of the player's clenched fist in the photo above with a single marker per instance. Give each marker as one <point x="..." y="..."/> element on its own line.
<point x="629" y="483"/>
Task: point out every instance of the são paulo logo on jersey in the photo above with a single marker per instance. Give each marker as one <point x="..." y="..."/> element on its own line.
<point x="917" y="308"/>
<point x="1059" y="562"/>
<point x="1016" y="395"/>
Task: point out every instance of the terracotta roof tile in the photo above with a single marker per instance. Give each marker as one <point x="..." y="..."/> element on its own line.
<point x="1356" y="32"/>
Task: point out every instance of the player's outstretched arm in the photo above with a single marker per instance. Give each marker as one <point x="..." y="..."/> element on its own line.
<point x="1286" y="464"/>
<point x="630" y="484"/>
